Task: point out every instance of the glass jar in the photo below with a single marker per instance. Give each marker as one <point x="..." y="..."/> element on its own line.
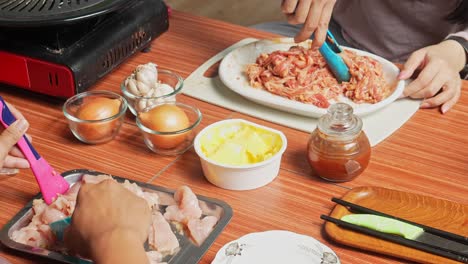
<point x="338" y="149"/>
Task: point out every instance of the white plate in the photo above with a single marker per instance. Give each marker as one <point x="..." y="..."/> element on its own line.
<point x="277" y="247"/>
<point x="232" y="74"/>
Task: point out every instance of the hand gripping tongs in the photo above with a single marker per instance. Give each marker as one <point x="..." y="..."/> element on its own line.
<point x="330" y="50"/>
<point x="50" y="182"/>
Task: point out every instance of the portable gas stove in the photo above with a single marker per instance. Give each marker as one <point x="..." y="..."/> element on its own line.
<point x="61" y="47"/>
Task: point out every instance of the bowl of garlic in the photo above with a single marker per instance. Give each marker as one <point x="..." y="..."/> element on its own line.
<point x="149" y="85"/>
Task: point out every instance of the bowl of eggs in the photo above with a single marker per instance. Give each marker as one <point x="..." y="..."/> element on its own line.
<point x="149" y="85"/>
<point x="96" y="116"/>
<point x="237" y="154"/>
<point x="169" y="128"/>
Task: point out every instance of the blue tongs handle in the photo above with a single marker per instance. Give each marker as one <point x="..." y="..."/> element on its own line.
<point x="330" y="50"/>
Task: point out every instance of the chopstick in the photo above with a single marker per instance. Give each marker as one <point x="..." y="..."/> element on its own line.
<point x="432" y="230"/>
<point x="396" y="239"/>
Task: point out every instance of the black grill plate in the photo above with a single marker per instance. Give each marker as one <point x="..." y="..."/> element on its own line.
<point x="31" y="13"/>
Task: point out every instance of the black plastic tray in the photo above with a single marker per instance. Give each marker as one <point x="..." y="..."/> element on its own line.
<point x="187" y="254"/>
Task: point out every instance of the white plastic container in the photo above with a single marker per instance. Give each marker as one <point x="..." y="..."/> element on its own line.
<point x="242" y="177"/>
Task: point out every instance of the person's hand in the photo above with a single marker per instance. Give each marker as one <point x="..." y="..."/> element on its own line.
<point x="314" y="14"/>
<point x="438" y="82"/>
<point x="10" y="155"/>
<point x="107" y="218"/>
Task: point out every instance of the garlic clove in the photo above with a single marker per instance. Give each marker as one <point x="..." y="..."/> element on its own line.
<point x="152" y="92"/>
<point x="143" y="88"/>
<point x="131" y="85"/>
<point x="147" y="73"/>
<point x="148" y="66"/>
<point x="146" y="77"/>
<point x="142" y="104"/>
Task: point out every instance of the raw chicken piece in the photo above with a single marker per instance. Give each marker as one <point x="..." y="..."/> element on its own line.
<point x="188" y="201"/>
<point x="30" y="235"/>
<point x="166" y="199"/>
<point x="187" y="204"/>
<point x="39" y="206"/>
<point x="51" y="215"/>
<point x="38" y="233"/>
<point x="151" y="198"/>
<point x="46" y="232"/>
<point x="200" y="229"/>
<point x="95" y="179"/>
<point x="133" y="188"/>
<point x="161" y="236"/>
<point x="63" y="204"/>
<point x="36" y="220"/>
<point x="173" y="213"/>
<point x="72" y="193"/>
<point x="58" y="210"/>
<point x="155" y="257"/>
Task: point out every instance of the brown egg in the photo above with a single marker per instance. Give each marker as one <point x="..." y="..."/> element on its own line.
<point x="166" y="118"/>
<point x="97" y="109"/>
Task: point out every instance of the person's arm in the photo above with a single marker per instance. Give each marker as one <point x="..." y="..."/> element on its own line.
<point x="438" y="82"/>
<point x="109" y="224"/>
<point x="314" y="14"/>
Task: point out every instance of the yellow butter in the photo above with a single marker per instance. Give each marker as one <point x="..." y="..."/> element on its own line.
<point x="239" y="144"/>
<point x="231" y="153"/>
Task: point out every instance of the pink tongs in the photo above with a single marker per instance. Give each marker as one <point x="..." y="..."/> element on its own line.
<point x="50" y="182"/>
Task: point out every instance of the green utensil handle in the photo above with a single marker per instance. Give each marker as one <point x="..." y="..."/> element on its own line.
<point x="384" y="224"/>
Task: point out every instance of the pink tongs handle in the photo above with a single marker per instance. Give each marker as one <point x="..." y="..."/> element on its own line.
<point x="50" y="183"/>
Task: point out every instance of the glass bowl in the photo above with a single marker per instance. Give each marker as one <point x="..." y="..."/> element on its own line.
<point x="139" y="103"/>
<point x="95" y="117"/>
<point x="174" y="142"/>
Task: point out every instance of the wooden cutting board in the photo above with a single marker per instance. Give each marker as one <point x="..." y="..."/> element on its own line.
<point x="437" y="213"/>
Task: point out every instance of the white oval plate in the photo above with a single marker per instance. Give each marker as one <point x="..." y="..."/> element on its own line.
<point x="277" y="247"/>
<point x="232" y="74"/>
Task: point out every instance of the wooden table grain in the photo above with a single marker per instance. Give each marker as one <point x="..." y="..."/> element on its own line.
<point x="428" y="155"/>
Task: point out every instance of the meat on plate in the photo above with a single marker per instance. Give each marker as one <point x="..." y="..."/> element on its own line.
<point x="301" y="74"/>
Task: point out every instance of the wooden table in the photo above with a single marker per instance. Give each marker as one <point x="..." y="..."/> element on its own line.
<point x="428" y="155"/>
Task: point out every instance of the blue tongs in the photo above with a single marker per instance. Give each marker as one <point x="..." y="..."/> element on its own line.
<point x="330" y="50"/>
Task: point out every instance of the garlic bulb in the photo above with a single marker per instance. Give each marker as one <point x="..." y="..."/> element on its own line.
<point x="162" y="89"/>
<point x="147" y="74"/>
<point x="143" y="82"/>
<point x="131" y="85"/>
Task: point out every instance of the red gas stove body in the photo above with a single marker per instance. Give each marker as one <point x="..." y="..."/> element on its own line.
<point x="63" y="60"/>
